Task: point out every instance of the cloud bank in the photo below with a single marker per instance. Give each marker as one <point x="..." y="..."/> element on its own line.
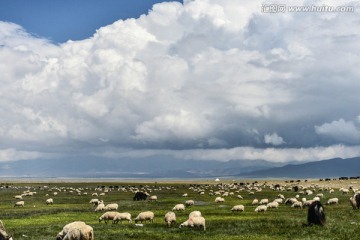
<point x="205" y="78"/>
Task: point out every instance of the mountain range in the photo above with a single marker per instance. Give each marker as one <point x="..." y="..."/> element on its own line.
<point x="165" y="167"/>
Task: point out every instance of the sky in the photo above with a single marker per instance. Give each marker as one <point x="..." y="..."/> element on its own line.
<point x="198" y="79"/>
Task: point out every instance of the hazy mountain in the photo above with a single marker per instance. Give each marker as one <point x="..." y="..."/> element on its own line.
<point x="331" y="168"/>
<point x="141" y="167"/>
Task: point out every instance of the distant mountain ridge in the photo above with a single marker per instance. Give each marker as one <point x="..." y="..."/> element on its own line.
<point x="166" y="167"/>
<point x="332" y="168"/>
<point x="149" y="167"/>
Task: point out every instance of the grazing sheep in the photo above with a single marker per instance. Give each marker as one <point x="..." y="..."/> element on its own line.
<point x="111" y="207"/>
<point x="195" y="214"/>
<point x="140" y="196"/>
<point x="332" y="201"/>
<point x="153" y="198"/>
<point x="272" y="205"/>
<point x="108" y="216"/>
<point x="261" y="208"/>
<point x="122" y="216"/>
<point x="49" y="201"/>
<point x="290" y="201"/>
<point x="307" y="203"/>
<point x="238" y="208"/>
<point x="179" y="207"/>
<point x="255" y="202"/>
<point x="19" y="197"/>
<point x="100" y="207"/>
<point x="316" y="214"/>
<point x="94" y="201"/>
<point x="279" y="200"/>
<point x="189" y="203"/>
<point x="264" y="201"/>
<point x="297" y="205"/>
<point x="76" y="231"/>
<point x="144" y="216"/>
<point x="194" y="222"/>
<point x="170" y="218"/>
<point x="219" y="200"/>
<point x="19" y="204"/>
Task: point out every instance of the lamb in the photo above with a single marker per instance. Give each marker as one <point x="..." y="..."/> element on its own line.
<point x="194" y="222"/>
<point x="189" y="203"/>
<point x="170" y="218"/>
<point x="261" y="208"/>
<point x="108" y="216"/>
<point x="100" y="207"/>
<point x="219" y="200"/>
<point x="332" y="201"/>
<point x="76" y="231"/>
<point x="238" y="208"/>
<point x="144" y="216"/>
<point x="111" y="207"/>
<point x="179" y="207"/>
<point x="19" y="204"/>
<point x="122" y="216"/>
<point x="49" y="201"/>
<point x="195" y="214"/>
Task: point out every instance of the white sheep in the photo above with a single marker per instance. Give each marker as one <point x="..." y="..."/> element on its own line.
<point x="297" y="205"/>
<point x="111" y="207"/>
<point x="49" y="201"/>
<point x="332" y="201"/>
<point x="108" y="216"/>
<point x="189" y="203"/>
<point x="100" y="207"/>
<point x="264" y="201"/>
<point x="307" y="203"/>
<point x="76" y="231"/>
<point x="179" y="207"/>
<point x="238" y="208"/>
<point x="153" y="198"/>
<point x="19" y="197"/>
<point x="194" y="222"/>
<point x="19" y="204"/>
<point x="272" y="205"/>
<point x="170" y="218"/>
<point x="279" y="200"/>
<point x="144" y="216"/>
<point x="261" y="208"/>
<point x="219" y="200"/>
<point x="255" y="202"/>
<point x="195" y="214"/>
<point x="122" y="216"/>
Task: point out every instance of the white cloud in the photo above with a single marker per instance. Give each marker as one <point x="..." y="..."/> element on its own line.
<point x="206" y="73"/>
<point x="342" y="130"/>
<point x="273" y="139"/>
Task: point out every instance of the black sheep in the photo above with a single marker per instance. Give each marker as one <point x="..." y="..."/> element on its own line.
<point x="140" y="196"/>
<point x="316" y="214"/>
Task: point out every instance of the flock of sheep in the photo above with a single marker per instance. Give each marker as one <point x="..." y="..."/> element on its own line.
<point x="79" y="230"/>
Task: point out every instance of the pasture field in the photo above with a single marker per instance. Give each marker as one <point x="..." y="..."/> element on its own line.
<point x="39" y="221"/>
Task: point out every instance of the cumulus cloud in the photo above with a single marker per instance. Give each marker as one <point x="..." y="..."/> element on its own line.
<point x="273" y="139"/>
<point x="210" y="74"/>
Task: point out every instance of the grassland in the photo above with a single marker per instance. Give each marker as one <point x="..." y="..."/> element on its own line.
<point x="38" y="221"/>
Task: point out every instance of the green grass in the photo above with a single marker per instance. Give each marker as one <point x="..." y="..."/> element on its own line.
<point x="38" y="221"/>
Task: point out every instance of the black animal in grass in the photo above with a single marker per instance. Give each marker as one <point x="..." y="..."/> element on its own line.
<point x="140" y="196"/>
<point x="355" y="201"/>
<point x="316" y="214"/>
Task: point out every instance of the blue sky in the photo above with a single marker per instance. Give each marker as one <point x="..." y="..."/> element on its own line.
<point x="201" y="79"/>
<point x="62" y="20"/>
